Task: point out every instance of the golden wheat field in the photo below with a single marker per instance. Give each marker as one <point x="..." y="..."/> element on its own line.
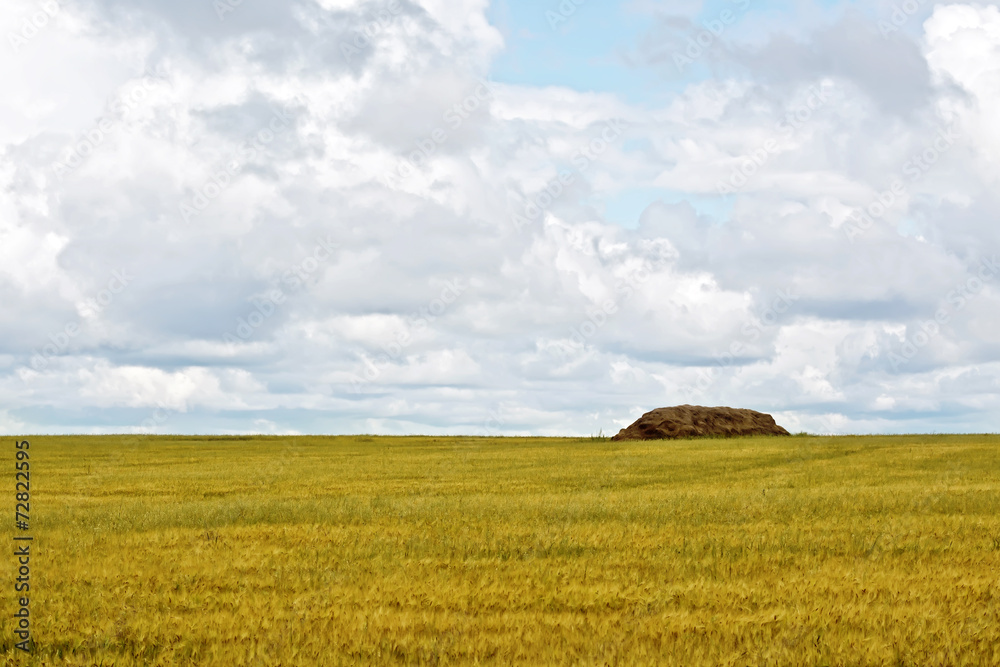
<point x="434" y="551"/>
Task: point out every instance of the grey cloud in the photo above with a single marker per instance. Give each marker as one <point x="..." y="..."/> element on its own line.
<point x="892" y="72"/>
<point x="276" y="35"/>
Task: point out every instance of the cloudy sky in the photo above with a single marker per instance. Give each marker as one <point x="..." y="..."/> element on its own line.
<point x="507" y="217"/>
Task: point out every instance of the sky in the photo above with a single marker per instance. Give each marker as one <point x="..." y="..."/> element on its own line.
<point x="497" y="218"/>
